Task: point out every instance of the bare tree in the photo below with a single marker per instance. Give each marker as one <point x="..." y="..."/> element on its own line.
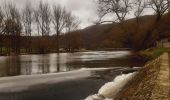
<point x="139" y="5"/>
<point x="13" y="14"/>
<point x="1" y="28"/>
<point x="160" y="7"/>
<point x="59" y="14"/>
<point x="130" y="38"/>
<point x="27" y="19"/>
<point x="47" y="19"/>
<point x="36" y="19"/>
<point x="169" y="6"/>
<point x="1" y="20"/>
<point x="42" y="18"/>
<point x="13" y="26"/>
<point x="120" y="8"/>
<point x="72" y="23"/>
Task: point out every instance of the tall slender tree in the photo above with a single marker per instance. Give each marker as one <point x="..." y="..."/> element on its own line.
<point x="43" y="18"/>
<point x="72" y="23"/>
<point x="1" y="20"/>
<point x="1" y="28"/>
<point x="59" y="15"/>
<point x="13" y="26"/>
<point x="27" y="19"/>
<point x="139" y="6"/>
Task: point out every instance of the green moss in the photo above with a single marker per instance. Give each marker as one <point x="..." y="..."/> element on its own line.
<point x="153" y="53"/>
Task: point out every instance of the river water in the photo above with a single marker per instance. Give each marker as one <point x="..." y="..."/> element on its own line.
<point x="65" y="76"/>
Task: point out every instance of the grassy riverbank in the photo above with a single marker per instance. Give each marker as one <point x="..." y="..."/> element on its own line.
<point x="153" y="53"/>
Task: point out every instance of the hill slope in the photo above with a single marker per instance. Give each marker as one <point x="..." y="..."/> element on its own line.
<point x="112" y="36"/>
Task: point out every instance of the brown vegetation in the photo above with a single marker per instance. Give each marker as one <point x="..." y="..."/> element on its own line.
<point x="18" y="35"/>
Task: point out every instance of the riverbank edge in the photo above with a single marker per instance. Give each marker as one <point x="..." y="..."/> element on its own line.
<point x="148" y="82"/>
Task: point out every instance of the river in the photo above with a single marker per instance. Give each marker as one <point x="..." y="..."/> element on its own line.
<point x="65" y="76"/>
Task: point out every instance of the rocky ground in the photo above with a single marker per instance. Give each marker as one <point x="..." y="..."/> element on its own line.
<point x="151" y="82"/>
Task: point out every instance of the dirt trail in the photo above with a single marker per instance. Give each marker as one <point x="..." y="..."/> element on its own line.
<point x="161" y="90"/>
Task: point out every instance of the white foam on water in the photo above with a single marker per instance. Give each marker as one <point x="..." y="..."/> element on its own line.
<point x="110" y="89"/>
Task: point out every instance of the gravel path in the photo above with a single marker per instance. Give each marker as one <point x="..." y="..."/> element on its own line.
<point x="162" y="87"/>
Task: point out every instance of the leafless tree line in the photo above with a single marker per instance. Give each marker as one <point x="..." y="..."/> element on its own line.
<point x="15" y="23"/>
<point x="121" y="9"/>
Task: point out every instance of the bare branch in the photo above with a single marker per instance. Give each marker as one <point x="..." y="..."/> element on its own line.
<point x="160" y="7"/>
<point x="43" y="18"/>
<point x="58" y="18"/>
<point x="118" y="7"/>
<point x="72" y="23"/>
<point x="27" y="18"/>
<point x="1" y="21"/>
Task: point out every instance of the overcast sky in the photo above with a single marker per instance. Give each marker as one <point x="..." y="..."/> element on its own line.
<point x="84" y="9"/>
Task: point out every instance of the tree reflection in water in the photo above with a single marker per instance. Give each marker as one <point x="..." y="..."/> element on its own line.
<point x="53" y="63"/>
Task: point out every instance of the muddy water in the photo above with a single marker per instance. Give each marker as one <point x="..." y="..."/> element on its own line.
<point x="67" y="76"/>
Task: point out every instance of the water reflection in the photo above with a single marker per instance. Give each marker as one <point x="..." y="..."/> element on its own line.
<point x="53" y="63"/>
<point x="13" y="66"/>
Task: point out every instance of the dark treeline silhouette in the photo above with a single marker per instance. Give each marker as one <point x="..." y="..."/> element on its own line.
<point x="46" y="28"/>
